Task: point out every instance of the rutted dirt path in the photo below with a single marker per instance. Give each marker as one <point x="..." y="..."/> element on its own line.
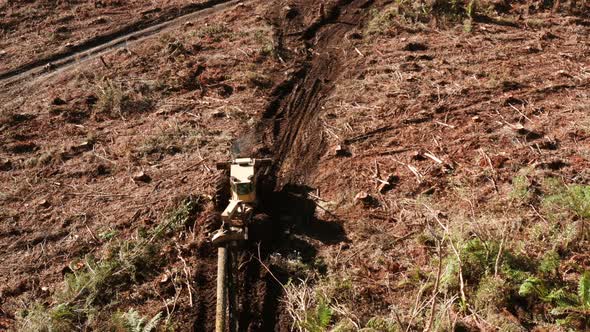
<point x="289" y="125"/>
<point x="100" y="45"/>
<point x="312" y="39"/>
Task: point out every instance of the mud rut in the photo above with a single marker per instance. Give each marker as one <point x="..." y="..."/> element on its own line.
<point x="291" y="135"/>
<point x="94" y="47"/>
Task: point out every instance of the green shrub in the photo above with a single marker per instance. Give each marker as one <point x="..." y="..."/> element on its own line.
<point x="38" y="318"/>
<point x="132" y="321"/>
<point x="549" y="263"/>
<point x="484" y="289"/>
<point x="412" y="12"/>
<point x="477" y="258"/>
<point x="382" y="20"/>
<point x="568" y="203"/>
<point x="110" y="97"/>
<point x="169" y="141"/>
<point x="97" y="282"/>
<point x="584" y="290"/>
<point x="574" y="198"/>
<point x="520" y="188"/>
<point x="344" y="326"/>
<point x="570" y="309"/>
<point x="267" y="47"/>
<point x="116" y="99"/>
<point x="93" y="283"/>
<point x="315" y="307"/>
<point x="215" y="32"/>
<point x="492" y="293"/>
<point x="319" y="318"/>
<point x="382" y="324"/>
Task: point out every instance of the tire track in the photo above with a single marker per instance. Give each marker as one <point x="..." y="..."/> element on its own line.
<point x="291" y="133"/>
<point x="289" y="128"/>
<point x="104" y="44"/>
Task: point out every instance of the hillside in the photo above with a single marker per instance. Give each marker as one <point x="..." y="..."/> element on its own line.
<point x="430" y="164"/>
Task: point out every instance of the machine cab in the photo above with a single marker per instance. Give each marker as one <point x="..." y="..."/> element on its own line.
<point x="241" y="180"/>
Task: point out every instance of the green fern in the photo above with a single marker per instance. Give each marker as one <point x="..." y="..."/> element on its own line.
<point x="571" y="309"/>
<point x="134" y="322"/>
<point x="318" y="319"/>
<point x="381" y="324"/>
<point x="533" y="286"/>
<point x="153" y="323"/>
<point x="324" y="315"/>
<point x="561" y="297"/>
<point x="550" y="263"/>
<point x="584" y="290"/>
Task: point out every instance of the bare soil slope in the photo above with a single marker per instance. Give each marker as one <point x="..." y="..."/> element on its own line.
<point x="72" y="149"/>
<point x="34" y="31"/>
<point x="430" y="163"/>
<point x="471" y="134"/>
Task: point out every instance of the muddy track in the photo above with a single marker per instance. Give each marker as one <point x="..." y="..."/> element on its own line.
<point x="289" y="126"/>
<point x="292" y="135"/>
<point x="100" y="45"/>
<point x="313" y="42"/>
<point x="205" y="283"/>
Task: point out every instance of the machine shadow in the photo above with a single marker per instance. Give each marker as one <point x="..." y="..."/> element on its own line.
<point x="290" y="214"/>
<point x="285" y="230"/>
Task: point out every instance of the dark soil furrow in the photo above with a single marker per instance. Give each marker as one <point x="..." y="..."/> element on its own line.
<point x="205" y="283"/>
<point x="290" y="132"/>
<point x="95" y="46"/>
<point x="298" y="99"/>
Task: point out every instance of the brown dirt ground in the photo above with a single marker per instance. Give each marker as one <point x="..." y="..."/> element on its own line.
<point x="30" y="30"/>
<point x="454" y="120"/>
<point x="188" y="95"/>
<point x="512" y="95"/>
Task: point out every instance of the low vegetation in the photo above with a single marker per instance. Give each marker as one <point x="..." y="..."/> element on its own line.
<point x="491" y="272"/>
<point x="476" y="272"/>
<point x="414" y="15"/>
<point x="174" y="139"/>
<point x="118" y="99"/>
<point x="317" y="305"/>
<point x="90" y="288"/>
<point x="216" y="32"/>
<point x="132" y="321"/>
<point x="570" y="309"/>
<point x="411" y="14"/>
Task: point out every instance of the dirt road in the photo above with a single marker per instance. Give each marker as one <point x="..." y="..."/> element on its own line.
<point x="310" y="38"/>
<point x="96" y="47"/>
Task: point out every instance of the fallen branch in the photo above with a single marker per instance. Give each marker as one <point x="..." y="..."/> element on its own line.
<point x="268" y="270"/>
<point x="445" y="124"/>
<point x="436" y="286"/>
<point x="416" y="173"/>
<point x="462" y="282"/>
<point x="368" y="134"/>
<point x="500" y="249"/>
<point x="187" y="275"/>
<point x="433" y="157"/>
